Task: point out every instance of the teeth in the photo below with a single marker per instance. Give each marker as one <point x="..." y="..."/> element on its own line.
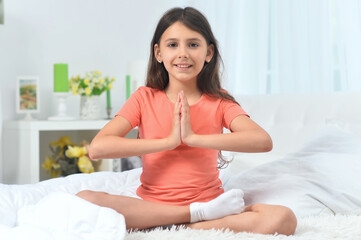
<point x="183" y="66"/>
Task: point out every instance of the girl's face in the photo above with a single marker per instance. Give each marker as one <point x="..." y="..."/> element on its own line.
<point x="183" y="52"/>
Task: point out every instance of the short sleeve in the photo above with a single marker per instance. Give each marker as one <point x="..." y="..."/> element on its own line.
<point x="230" y="111"/>
<point x="131" y="110"/>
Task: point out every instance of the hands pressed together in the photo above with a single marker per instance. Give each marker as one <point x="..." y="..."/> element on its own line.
<point x="181" y="126"/>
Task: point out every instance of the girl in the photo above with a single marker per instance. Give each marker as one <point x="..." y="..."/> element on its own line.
<point x="180" y="115"/>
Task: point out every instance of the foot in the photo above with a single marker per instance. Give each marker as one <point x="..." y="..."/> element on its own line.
<point x="230" y="202"/>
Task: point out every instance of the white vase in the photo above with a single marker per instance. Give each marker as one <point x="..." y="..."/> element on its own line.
<point x="90" y="107"/>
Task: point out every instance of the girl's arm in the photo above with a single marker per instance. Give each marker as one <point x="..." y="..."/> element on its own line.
<point x="245" y="136"/>
<point x="111" y="143"/>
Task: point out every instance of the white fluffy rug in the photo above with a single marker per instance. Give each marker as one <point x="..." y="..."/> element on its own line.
<point x="318" y="227"/>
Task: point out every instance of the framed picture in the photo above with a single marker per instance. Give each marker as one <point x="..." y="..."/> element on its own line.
<point x="27" y="94"/>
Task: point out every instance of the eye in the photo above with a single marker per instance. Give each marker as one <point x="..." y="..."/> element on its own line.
<point x="193" y="45"/>
<point x="172" y="45"/>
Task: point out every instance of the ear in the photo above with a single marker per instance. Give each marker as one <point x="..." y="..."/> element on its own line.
<point x="157" y="53"/>
<point x="210" y="52"/>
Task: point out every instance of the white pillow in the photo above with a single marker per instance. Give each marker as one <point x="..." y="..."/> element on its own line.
<point x="244" y="161"/>
<point x="323" y="175"/>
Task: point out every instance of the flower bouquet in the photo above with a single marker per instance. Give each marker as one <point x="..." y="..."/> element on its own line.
<point x="90" y="87"/>
<point x="92" y="83"/>
<point x="67" y="158"/>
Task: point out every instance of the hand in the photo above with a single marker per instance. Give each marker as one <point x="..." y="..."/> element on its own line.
<point x="186" y="127"/>
<point x="174" y="138"/>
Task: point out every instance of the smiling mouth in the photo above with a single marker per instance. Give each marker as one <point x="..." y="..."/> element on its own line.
<point x="183" y="66"/>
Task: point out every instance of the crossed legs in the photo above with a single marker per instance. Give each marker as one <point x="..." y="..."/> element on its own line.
<point x="141" y="214"/>
<point x="257" y="218"/>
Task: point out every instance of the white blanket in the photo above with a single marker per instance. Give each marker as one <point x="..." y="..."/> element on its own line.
<point x="321" y="176"/>
<point x="50" y="209"/>
<point x="324" y="227"/>
<point x="62" y="216"/>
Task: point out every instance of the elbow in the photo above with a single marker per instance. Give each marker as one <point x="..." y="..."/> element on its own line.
<point x="267" y="143"/>
<point x="263" y="142"/>
<point x="93" y="153"/>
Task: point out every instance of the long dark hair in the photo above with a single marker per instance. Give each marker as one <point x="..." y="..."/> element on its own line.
<point x="208" y="80"/>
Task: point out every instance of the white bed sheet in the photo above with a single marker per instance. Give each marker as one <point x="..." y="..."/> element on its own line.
<point x="319" y="177"/>
<point x="323" y="176"/>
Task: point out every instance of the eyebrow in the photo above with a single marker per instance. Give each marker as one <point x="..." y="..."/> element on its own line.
<point x="176" y="39"/>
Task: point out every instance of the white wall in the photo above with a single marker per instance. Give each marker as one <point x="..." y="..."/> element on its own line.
<point x="1" y="172"/>
<point x="86" y="34"/>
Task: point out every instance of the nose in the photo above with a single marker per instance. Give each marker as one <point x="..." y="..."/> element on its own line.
<point x="182" y="51"/>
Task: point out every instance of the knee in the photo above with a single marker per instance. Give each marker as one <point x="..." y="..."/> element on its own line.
<point x="90" y="196"/>
<point x="284" y="222"/>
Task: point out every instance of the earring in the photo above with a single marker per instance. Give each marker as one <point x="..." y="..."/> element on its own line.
<point x="159" y="61"/>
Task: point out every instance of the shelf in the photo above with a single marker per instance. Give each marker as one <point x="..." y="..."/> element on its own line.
<point x="55" y="125"/>
<point x="26" y="144"/>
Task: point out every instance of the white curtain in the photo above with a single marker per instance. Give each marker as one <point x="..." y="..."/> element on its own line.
<point x="348" y="31"/>
<point x="241" y="28"/>
<point x="303" y="48"/>
<point x="283" y="46"/>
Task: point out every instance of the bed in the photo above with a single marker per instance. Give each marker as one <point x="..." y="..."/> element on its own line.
<point x="313" y="169"/>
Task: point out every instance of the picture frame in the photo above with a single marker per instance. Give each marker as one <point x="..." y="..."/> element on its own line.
<point x="27" y="95"/>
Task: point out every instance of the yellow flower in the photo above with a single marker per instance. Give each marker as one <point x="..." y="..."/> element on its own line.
<point x="74" y="152"/>
<point x="88" y="91"/>
<point x="48" y="163"/>
<point x="84" y="85"/>
<point x="74" y="89"/>
<point x="55" y="173"/>
<point x="62" y="142"/>
<point x="56" y="166"/>
<point x="85" y="165"/>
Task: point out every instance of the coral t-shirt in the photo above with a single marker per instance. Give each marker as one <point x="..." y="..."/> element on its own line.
<point x="185" y="174"/>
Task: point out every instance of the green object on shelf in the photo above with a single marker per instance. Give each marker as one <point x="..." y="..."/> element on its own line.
<point x="1" y="12"/>
<point x="127" y="86"/>
<point x="61" y="77"/>
<point x="109" y="105"/>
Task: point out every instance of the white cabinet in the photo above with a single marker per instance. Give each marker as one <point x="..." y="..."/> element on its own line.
<point x="26" y="144"/>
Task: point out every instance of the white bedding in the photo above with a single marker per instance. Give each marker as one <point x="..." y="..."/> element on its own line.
<point x="50" y="207"/>
<point x="322" y="177"/>
<point x="61" y="215"/>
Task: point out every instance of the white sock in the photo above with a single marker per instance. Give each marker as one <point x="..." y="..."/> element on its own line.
<point x="230" y="202"/>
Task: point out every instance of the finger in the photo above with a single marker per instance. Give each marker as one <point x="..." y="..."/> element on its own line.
<point x="185" y="106"/>
<point x="177" y="109"/>
<point x="180" y="99"/>
<point x="176" y="106"/>
<point x="185" y="100"/>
